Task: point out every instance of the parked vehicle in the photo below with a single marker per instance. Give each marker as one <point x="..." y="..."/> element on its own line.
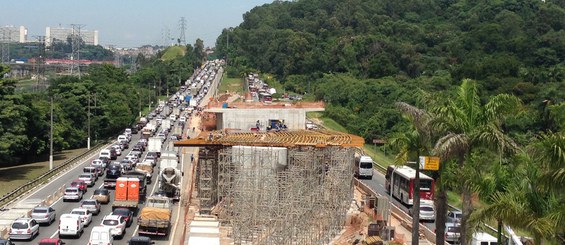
<point x="72" y="193"/>
<point x="85" y="215"/>
<point x="126" y="213"/>
<point x="24" y="229"/>
<point x="88" y="179"/>
<point x="100" y="235"/>
<point x="91" y="205"/>
<point x="101" y="195"/>
<point x="140" y="240"/>
<point x="70" y="225"/>
<point x="155" y="217"/>
<point x="51" y="241"/>
<point x="116" y="223"/>
<point x="43" y="214"/>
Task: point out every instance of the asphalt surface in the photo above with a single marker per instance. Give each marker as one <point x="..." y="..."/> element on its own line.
<point x="66" y="207"/>
<point x="377" y="184"/>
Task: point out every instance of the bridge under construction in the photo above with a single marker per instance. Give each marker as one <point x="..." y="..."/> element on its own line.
<point x="288" y="187"/>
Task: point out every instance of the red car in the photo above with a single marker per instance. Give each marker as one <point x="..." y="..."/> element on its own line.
<point x="51" y="241"/>
<point x="81" y="185"/>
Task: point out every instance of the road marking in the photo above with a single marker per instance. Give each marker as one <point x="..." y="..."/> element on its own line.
<point x="172" y="235"/>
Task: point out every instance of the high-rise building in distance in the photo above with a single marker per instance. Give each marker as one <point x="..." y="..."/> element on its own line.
<point x="13" y="34"/>
<point x="60" y="34"/>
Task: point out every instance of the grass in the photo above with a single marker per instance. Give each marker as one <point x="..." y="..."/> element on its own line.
<point x="15" y="176"/>
<point x="231" y="84"/>
<point x="173" y="52"/>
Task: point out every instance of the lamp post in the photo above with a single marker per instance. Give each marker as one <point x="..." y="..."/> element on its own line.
<point x="51" y="139"/>
<point x="88" y="139"/>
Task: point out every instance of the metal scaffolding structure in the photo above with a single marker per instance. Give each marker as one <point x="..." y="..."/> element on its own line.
<point x="276" y="195"/>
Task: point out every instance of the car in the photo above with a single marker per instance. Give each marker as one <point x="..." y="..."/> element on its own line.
<point x="126" y="213"/>
<point x="140" y="240"/>
<point x="127" y="163"/>
<point x="51" y="241"/>
<point x="452" y="232"/>
<point x="24" y="229"/>
<point x="124" y="144"/>
<point x="101" y="195"/>
<point x="454" y="216"/>
<point x="134" y="130"/>
<point x="175" y="137"/>
<point x="92" y="205"/>
<point x="132" y="159"/>
<point x="6" y="242"/>
<point x="92" y="170"/>
<point x="106" y="160"/>
<point x="135" y="153"/>
<point x="118" y="149"/>
<point x="43" y="214"/>
<point x="138" y="147"/>
<point x="85" y="215"/>
<point x="72" y="193"/>
<point x="116" y="223"/>
<point x="427" y="211"/>
<point x="98" y="162"/>
<point x="99" y="170"/>
<point x="80" y="184"/>
<point x="88" y="179"/>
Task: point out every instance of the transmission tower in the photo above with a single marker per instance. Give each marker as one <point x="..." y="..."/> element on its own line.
<point x="75" y="43"/>
<point x="40" y="63"/>
<point x="182" y="26"/>
<point x="5" y="42"/>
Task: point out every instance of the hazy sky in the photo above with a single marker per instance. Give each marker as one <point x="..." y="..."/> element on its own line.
<point x="129" y="23"/>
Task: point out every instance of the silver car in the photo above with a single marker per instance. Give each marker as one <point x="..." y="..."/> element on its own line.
<point x="72" y="193"/>
<point x="45" y="215"/>
<point x="91" y="205"/>
<point x="427" y="211"/>
<point x="452" y="232"/>
<point x="88" y="178"/>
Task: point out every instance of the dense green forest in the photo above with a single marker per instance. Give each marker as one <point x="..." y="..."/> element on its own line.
<point x="59" y="50"/>
<point x="115" y="98"/>
<point x="479" y="83"/>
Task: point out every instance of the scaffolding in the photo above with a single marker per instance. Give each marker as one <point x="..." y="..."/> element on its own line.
<point x="302" y="200"/>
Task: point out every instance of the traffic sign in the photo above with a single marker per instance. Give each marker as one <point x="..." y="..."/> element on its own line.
<point x="429" y="163"/>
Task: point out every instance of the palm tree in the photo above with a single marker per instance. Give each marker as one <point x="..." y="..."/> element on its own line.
<point x="410" y="144"/>
<point x="468" y="125"/>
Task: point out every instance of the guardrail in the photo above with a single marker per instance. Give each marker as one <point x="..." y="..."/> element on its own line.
<point x="9" y="197"/>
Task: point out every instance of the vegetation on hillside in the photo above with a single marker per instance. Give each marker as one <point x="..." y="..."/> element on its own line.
<point x="362" y="57"/>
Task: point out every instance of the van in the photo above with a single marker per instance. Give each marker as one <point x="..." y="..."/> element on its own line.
<point x="100" y="235"/>
<point x="483" y="238"/>
<point x="70" y="225"/>
<point x="364" y="167"/>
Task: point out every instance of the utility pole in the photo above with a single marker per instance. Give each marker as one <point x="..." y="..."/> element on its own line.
<point x="75" y="43"/>
<point x="51" y="139"/>
<point x="88" y="141"/>
<point x="5" y="42"/>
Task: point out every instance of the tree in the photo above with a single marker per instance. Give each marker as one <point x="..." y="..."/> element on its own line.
<point x="468" y="126"/>
<point x="410" y="145"/>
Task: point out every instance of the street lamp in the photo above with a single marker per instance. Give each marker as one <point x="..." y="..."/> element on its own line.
<point x="88" y="140"/>
<point x="51" y="137"/>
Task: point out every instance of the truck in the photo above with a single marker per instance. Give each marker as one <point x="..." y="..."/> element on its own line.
<point x="146" y="168"/>
<point x="187" y="98"/>
<point x="169" y="178"/>
<point x="126" y="194"/>
<point x="141" y="123"/>
<point x="154" y="144"/>
<point x="176" y="112"/>
<point x="166" y="124"/>
<point x="192" y="103"/>
<point x="142" y="177"/>
<point x="155" y="217"/>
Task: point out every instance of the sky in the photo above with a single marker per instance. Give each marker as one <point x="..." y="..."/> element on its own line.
<point x="129" y="23"/>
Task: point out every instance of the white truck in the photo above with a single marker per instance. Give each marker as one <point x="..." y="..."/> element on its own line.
<point x="169" y="178"/>
<point x="166" y="124"/>
<point x="154" y="144"/>
<point x="176" y="112"/>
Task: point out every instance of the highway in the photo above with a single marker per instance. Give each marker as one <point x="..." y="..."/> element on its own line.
<point x="65" y="207"/>
<point x="377" y="184"/>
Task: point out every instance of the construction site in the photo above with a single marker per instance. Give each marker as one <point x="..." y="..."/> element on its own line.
<point x="276" y="187"/>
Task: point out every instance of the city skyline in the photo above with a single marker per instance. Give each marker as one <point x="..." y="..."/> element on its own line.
<point x="130" y="23"/>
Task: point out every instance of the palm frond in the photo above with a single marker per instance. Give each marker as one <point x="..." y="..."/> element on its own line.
<point x="451" y="145"/>
<point x="502" y="105"/>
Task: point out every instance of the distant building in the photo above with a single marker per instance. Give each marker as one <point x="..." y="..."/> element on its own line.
<point x="13" y="34"/>
<point x="60" y="34"/>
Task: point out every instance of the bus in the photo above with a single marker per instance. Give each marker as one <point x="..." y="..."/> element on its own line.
<point x="403" y="184"/>
<point x="364" y="167"/>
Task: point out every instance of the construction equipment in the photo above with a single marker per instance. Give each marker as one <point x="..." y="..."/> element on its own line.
<point x="169" y="177"/>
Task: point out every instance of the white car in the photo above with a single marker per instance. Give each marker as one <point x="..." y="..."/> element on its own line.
<point x="98" y="162"/>
<point x="24" y="228"/>
<point x="85" y="215"/>
<point x="88" y="178"/>
<point x="116" y="223"/>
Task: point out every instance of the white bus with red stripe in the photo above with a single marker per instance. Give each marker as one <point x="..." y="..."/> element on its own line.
<point x="403" y="178"/>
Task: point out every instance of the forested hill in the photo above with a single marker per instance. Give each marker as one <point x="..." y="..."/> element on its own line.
<point x="362" y="55"/>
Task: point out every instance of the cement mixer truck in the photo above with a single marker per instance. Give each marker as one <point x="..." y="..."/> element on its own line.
<point x="169" y="178"/>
